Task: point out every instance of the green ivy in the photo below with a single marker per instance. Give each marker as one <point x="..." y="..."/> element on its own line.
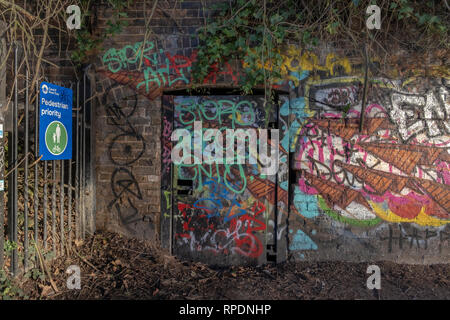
<point x="9" y="289"/>
<point x="9" y="246"/>
<point x="406" y="9"/>
<point x="242" y="30"/>
<point x="247" y="33"/>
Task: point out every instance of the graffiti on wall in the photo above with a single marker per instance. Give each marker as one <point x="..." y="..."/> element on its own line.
<point x="392" y="178"/>
<point x="404" y="236"/>
<point x="166" y="145"/>
<point x="395" y="171"/>
<point x="149" y="70"/>
<point x="126" y="146"/>
<point x="231" y="204"/>
<point x="200" y="223"/>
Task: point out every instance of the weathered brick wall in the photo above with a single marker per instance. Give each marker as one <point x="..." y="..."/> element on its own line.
<point x="128" y="112"/>
<point x="127" y="160"/>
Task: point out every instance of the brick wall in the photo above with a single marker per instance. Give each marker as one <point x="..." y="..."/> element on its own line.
<point x="128" y="122"/>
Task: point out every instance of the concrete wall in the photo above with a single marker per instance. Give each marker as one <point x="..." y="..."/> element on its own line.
<point x="378" y="194"/>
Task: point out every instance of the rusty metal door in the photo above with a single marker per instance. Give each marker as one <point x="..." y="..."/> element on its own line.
<point x="222" y="214"/>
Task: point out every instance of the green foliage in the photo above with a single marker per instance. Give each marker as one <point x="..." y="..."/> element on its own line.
<point x="87" y="42"/>
<point x="50" y="255"/>
<point x="9" y="289"/>
<point x="9" y="246"/>
<point x="345" y="110"/>
<point x="332" y="27"/>
<point x="429" y="21"/>
<point x="243" y="30"/>
<point x="35" y="274"/>
<point x="248" y="33"/>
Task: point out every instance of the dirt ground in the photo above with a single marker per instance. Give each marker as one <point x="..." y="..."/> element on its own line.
<point x="113" y="267"/>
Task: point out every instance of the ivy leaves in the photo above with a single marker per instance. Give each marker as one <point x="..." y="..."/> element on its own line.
<point x="246" y="32"/>
<point x="254" y="31"/>
<point x="428" y="20"/>
<point x="88" y="43"/>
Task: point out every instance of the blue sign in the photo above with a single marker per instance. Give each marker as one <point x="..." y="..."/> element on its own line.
<point x="55" y="122"/>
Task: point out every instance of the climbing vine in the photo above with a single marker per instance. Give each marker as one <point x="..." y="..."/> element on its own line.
<point x="248" y="32"/>
<point x="88" y="42"/>
<point x="255" y="31"/>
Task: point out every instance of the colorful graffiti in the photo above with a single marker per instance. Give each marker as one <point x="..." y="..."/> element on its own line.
<point x="232" y="204"/>
<point x="166" y="145"/>
<point x="389" y="182"/>
<point x="239" y="237"/>
<point x="395" y="171"/>
<point x="149" y="70"/>
<point x="373" y="161"/>
<point x="299" y="64"/>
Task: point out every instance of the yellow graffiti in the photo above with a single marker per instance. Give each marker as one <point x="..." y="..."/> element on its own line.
<point x="416" y="80"/>
<point x="421" y="219"/>
<point x="295" y="61"/>
<point x="167" y="197"/>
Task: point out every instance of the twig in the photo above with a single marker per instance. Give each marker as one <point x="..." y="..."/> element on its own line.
<point x="41" y="52"/>
<point x="363" y="103"/>
<point x="35" y="162"/>
<point x="87" y="262"/>
<point x="44" y="267"/>
<point x="147" y="32"/>
<point x="21" y="161"/>
<point x="18" y="8"/>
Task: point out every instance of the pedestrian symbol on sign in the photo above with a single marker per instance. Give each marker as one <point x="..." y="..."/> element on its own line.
<point x="56" y="138"/>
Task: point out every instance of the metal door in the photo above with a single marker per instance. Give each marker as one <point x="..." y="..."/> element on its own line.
<point x="219" y="213"/>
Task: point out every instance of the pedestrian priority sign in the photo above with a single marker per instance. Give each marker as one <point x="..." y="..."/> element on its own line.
<point x="55" y="122"/>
